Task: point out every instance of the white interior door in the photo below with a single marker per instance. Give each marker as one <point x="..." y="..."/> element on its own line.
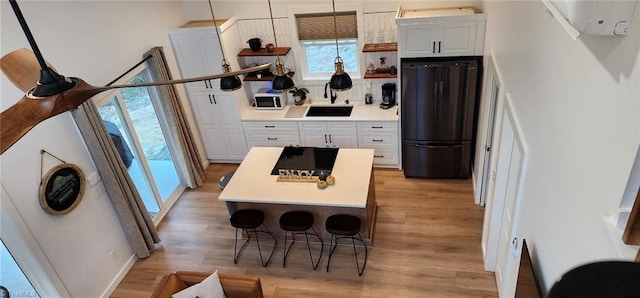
<point x="507" y="258"/>
<point x="496" y="200"/>
<point x="500" y="245"/>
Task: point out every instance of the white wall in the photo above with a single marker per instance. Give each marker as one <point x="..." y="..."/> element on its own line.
<point x="578" y="104"/>
<point x="96" y="41"/>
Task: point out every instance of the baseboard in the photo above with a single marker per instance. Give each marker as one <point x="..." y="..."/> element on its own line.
<point x="119" y="277"/>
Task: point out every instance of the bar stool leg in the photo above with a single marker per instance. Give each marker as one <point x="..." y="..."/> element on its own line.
<point x="275" y="244"/>
<point x="236" y="253"/>
<point x="314" y="264"/>
<point x="355" y="253"/>
<point x="332" y="248"/>
<point x="286" y="250"/>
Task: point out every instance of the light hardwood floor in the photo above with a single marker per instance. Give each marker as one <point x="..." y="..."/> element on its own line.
<point x="427" y="244"/>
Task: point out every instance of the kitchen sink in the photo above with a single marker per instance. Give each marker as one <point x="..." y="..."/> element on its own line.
<point x="329" y="111"/>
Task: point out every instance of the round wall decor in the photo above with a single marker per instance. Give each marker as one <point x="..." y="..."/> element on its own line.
<point x="61" y="189"/>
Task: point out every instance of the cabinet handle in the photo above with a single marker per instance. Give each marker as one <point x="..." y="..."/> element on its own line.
<point x="205" y="85"/>
<point x="439" y="43"/>
<point x="378" y="156"/>
<point x="211" y="102"/>
<point x="270" y="126"/>
<point x="325" y="138"/>
<point x="376" y="126"/>
<point x="433" y="50"/>
<point x="272" y="139"/>
<point x="377" y="140"/>
<point x="214" y="99"/>
<point x="330" y="140"/>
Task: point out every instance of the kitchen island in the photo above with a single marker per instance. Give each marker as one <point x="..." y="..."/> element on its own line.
<point x="253" y="186"/>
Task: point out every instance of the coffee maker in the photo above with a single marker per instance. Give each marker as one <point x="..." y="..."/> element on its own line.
<point x="388" y="95"/>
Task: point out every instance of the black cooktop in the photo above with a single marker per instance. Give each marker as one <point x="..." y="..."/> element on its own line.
<point x="306" y="158"/>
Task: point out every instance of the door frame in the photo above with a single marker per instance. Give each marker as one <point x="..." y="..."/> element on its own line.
<point x="143" y="69"/>
<point x="490" y="119"/>
<point x="498" y="205"/>
<point x="26" y="251"/>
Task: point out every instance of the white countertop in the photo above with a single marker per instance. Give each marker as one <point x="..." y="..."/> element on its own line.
<point x="360" y="112"/>
<point x="253" y="182"/>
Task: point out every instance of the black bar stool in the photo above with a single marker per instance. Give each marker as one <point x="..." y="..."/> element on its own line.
<point x="250" y="219"/>
<point x="345" y="226"/>
<point x="299" y="222"/>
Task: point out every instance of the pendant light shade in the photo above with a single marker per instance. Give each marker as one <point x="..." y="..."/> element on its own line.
<point x="340" y="80"/>
<point x="230" y="83"/>
<point x="281" y="81"/>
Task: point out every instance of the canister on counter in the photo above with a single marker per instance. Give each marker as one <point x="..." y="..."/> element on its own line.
<point x="368" y="98"/>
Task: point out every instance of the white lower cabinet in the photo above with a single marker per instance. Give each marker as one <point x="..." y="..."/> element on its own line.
<point x="328" y="134"/>
<point x="383" y="137"/>
<point x="219" y="124"/>
<point x="271" y="133"/>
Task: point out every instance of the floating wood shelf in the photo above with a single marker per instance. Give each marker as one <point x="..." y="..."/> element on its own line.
<point x="380" y="76"/>
<point x="254" y="78"/>
<point x="380" y="47"/>
<point x="247" y="52"/>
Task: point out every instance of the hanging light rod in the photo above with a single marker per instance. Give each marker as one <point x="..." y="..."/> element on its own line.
<point x="281" y="82"/>
<point x="340" y="80"/>
<point x="228" y="83"/>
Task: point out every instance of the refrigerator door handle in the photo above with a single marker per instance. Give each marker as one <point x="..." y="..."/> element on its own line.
<point x="436" y="146"/>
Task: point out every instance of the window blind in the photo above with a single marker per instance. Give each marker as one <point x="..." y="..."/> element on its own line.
<point x="318" y="26"/>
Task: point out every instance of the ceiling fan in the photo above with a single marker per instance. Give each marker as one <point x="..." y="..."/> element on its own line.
<point x="48" y="93"/>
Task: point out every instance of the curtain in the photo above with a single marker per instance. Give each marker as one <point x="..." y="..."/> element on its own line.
<point x="127" y="203"/>
<point x="187" y="156"/>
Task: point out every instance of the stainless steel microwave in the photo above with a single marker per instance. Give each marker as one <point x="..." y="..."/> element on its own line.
<point x="266" y="99"/>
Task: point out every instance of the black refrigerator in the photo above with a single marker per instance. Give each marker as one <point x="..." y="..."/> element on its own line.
<point x="438" y="101"/>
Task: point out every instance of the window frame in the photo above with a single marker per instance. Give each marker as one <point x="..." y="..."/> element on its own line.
<point x="325" y="75"/>
<point x="300" y="51"/>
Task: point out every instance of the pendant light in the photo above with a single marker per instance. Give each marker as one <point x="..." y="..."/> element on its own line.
<point x="340" y="81"/>
<point x="229" y="83"/>
<point x="281" y="82"/>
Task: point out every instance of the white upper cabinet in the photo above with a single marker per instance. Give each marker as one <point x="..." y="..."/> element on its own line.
<point x="440" y="32"/>
<point x="197" y="51"/>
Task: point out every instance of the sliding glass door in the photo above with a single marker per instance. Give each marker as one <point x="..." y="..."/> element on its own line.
<point x="134" y="121"/>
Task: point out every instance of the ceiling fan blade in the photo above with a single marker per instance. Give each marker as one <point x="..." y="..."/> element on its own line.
<point x="18" y="119"/>
<point x="21" y="68"/>
<point x="180" y="81"/>
<point x="21" y="117"/>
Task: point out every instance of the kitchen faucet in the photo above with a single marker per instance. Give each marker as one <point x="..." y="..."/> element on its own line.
<point x="334" y="94"/>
